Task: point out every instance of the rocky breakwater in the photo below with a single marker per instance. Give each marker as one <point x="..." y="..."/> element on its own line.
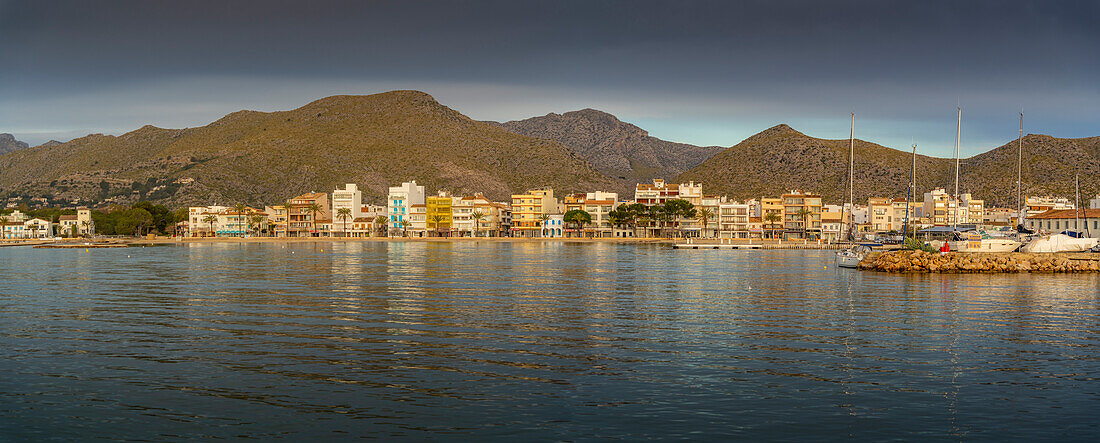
<point x="955" y="262"/>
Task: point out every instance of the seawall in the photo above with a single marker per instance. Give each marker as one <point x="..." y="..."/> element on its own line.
<point x="956" y="262"/>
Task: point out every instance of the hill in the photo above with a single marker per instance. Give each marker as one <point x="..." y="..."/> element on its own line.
<point x="617" y="149"/>
<point x="8" y="143"/>
<point x="262" y="157"/>
<point x="781" y="158"/>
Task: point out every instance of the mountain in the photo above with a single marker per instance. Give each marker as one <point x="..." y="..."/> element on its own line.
<point x="619" y="150"/>
<point x="781" y="158"/>
<point x="8" y="143"/>
<point x="262" y="157"/>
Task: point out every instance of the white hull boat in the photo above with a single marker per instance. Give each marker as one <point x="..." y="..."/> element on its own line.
<point x="985" y="245"/>
<point x="850" y="258"/>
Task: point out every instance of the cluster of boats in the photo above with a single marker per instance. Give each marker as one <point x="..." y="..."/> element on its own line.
<point x="972" y="241"/>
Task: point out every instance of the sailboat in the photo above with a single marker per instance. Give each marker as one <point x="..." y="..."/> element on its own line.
<point x="974" y="241"/>
<point x="850" y="258"/>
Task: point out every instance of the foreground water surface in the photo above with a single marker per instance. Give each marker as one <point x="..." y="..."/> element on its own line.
<point x="569" y="341"/>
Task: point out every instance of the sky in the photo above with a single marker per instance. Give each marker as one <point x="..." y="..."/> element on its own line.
<point x="706" y="73"/>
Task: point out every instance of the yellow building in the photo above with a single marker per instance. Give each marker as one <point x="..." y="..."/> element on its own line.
<point x="771" y="206"/>
<point x="440" y="217"/>
<point x="528" y="209"/>
<point x="802" y="214"/>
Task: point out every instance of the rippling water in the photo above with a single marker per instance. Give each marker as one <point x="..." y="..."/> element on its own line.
<point x="534" y="341"/>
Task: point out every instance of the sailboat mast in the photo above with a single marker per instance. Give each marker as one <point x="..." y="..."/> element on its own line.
<point x="1019" y="173"/>
<point x="851" y="180"/>
<point x="958" y="135"/>
<point x="1077" y="206"/>
<point x="912" y="195"/>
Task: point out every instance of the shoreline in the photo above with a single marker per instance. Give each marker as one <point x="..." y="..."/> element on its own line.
<point x="920" y="262"/>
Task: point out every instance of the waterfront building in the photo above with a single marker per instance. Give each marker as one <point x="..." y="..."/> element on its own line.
<point x="832" y="226"/>
<point x="27" y="228"/>
<point x="440" y="218"/>
<point x="418" y="220"/>
<point x="488" y="224"/>
<point x="769" y="206"/>
<point x="1038" y="205"/>
<point x="886" y="214"/>
<point x="198" y="223"/>
<point x="554" y="226"/>
<point x="1086" y="221"/>
<point x="350" y="198"/>
<point x="1094" y="203"/>
<point x="801" y="214"/>
<point x="973" y="209"/>
<point x="528" y="210"/>
<point x="656" y="193"/>
<point x="399" y="203"/>
<point x="277" y="219"/>
<point x="76" y="224"/>
<point x="223" y="221"/>
<point x="302" y="222"/>
<point x="597" y="204"/>
<point x="733" y="218"/>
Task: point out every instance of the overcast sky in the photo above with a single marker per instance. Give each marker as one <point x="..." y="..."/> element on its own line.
<point x="707" y="73"/>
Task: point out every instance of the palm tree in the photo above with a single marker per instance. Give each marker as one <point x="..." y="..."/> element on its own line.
<point x="772" y="218"/>
<point x="287" y="205"/>
<point x="438" y="219"/>
<point x="313" y="208"/>
<point x="404" y="228"/>
<point x="704" y="216"/>
<point x="210" y="218"/>
<point x="344" y="214"/>
<point x="380" y="222"/>
<point x="477" y="216"/>
<point x="803" y="213"/>
<point x="255" y="222"/>
<point x="239" y="208"/>
<point x="542" y="223"/>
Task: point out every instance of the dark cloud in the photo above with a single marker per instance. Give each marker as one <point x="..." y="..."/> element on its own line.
<point x="905" y="62"/>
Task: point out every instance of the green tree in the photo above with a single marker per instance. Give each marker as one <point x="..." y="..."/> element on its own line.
<point x="210" y="218"/>
<point x="380" y="223"/>
<point x="478" y="216"/>
<point x="705" y="215"/>
<point x="256" y="222"/>
<point x="438" y="219"/>
<point x="344" y="214"/>
<point x="772" y="218"/>
<point x="313" y="209"/>
<point x="802" y="214"/>
<point x="404" y="228"/>
<point x="578" y="219"/>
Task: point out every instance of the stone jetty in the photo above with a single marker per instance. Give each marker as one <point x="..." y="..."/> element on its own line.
<point x="956" y="262"/>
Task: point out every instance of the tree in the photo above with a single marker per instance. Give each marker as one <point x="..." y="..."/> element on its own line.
<point x="210" y="218"/>
<point x="676" y="209"/>
<point x="313" y="209"/>
<point x="404" y="228"/>
<point x="240" y="209"/>
<point x="255" y="222"/>
<point x="478" y="216"/>
<point x="704" y="217"/>
<point x="578" y="219"/>
<point x="344" y="214"/>
<point x="84" y="225"/>
<point x="639" y="215"/>
<point x="288" y="206"/>
<point x="542" y="223"/>
<point x="380" y="224"/>
<point x="438" y="219"/>
<point x="803" y="213"/>
<point x="772" y="218"/>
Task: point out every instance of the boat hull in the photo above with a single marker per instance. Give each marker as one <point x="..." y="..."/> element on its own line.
<point x="848" y="260"/>
<point x="985" y="245"/>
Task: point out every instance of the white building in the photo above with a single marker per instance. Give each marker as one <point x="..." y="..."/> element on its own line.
<point x="554" y="226"/>
<point x="349" y="198"/>
<point x="399" y="204"/>
<point x="26" y="229"/>
<point x="733" y="218"/>
<point x="1094" y="203"/>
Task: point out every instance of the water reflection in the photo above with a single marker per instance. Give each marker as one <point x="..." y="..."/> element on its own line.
<point x="532" y="340"/>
